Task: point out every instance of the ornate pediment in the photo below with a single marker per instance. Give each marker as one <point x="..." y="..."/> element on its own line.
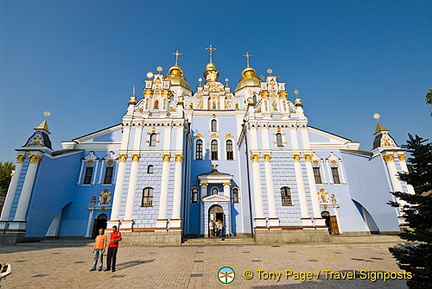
<point x="216" y="198"/>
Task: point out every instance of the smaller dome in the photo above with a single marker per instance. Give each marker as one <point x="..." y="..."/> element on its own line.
<point x="175" y="76"/>
<point x="211" y="69"/>
<point x="249" y="79"/>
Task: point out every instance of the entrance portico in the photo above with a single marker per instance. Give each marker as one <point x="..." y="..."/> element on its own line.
<point x="215" y="203"/>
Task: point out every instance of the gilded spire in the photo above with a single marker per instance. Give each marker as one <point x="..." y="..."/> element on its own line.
<point x="211" y="74"/>
<point x="43" y="126"/>
<point x="175" y="73"/>
<point x="211" y="49"/>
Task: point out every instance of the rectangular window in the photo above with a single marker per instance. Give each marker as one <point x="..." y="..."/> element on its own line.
<point x="88" y="176"/>
<point x="108" y="175"/>
<point x="335" y="173"/>
<point x="147" y="198"/>
<point x="286" y="196"/>
<point x="317" y="175"/>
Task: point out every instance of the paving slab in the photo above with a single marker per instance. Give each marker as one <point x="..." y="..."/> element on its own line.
<point x="67" y="265"/>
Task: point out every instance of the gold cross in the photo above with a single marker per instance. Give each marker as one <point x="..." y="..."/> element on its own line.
<point x="176" y="56"/>
<point x="211" y="49"/>
<point x="247" y="55"/>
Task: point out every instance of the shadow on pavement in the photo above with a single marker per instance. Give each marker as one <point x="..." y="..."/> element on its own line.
<point x="129" y="264"/>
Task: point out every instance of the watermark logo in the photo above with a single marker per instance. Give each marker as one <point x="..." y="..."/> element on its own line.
<point x="226" y="275"/>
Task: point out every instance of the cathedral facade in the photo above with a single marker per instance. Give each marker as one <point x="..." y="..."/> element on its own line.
<point x="181" y="159"/>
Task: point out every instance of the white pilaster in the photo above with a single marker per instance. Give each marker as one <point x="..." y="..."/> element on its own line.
<point x="404" y="168"/>
<point x="12" y="189"/>
<point x="312" y="187"/>
<point x="226" y="189"/>
<point x="301" y="191"/>
<point x="175" y="222"/>
<point x="161" y="222"/>
<point x="138" y="136"/>
<point x="203" y="190"/>
<point x="259" y="213"/>
<point x="127" y="222"/>
<point x="89" y="222"/>
<point x="24" y="199"/>
<point x="118" y="189"/>
<point x="394" y="179"/>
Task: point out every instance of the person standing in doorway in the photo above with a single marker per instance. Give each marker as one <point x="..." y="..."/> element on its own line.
<point x="115" y="238"/>
<point x="99" y="249"/>
<point x="211" y="228"/>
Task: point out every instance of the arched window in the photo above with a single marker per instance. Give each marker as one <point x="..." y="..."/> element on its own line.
<point x="214" y="191"/>
<point x="235" y="195"/>
<point x="286" y="196"/>
<point x="150" y="169"/>
<point x="194" y="195"/>
<point x="213" y="125"/>
<point x="147" y="197"/>
<point x="152" y="140"/>
<point x="214" y="149"/>
<point x="229" y="150"/>
<point x="279" y="142"/>
<point x="199" y="149"/>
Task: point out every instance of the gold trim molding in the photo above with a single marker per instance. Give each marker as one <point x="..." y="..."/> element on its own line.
<point x="204" y="184"/>
<point x="35" y="158"/>
<point x="166" y="157"/>
<point x="229" y="136"/>
<point x="179" y="157"/>
<point x="226" y="184"/>
<point x="20" y="158"/>
<point x="267" y="157"/>
<point x="401" y="157"/>
<point x="135" y="157"/>
<point x="214" y="136"/>
<point x="122" y="157"/>
<point x="388" y="158"/>
<point x="296" y="157"/>
<point x="282" y="94"/>
<point x="199" y="135"/>
<point x="254" y="157"/>
<point x="308" y="157"/>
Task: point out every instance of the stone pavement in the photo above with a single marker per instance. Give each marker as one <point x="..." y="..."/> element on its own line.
<point x="60" y="264"/>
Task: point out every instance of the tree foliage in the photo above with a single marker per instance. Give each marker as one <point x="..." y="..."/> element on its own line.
<point x="6" y="169"/>
<point x="429" y="98"/>
<point x="416" y="255"/>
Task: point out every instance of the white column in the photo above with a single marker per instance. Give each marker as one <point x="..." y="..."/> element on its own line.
<point x="125" y="138"/>
<point x="24" y="199"/>
<point x="118" y="189"/>
<point x="127" y="223"/>
<point x="312" y="187"/>
<point x="259" y="213"/>
<point x="203" y="189"/>
<point x="404" y="168"/>
<point x="161" y="222"/>
<point x="273" y="218"/>
<point x="89" y="221"/>
<point x="391" y="166"/>
<point x="394" y="179"/>
<point x="12" y="189"/>
<point x="301" y="191"/>
<point x="175" y="222"/>
<point x="226" y="189"/>
<point x="137" y="139"/>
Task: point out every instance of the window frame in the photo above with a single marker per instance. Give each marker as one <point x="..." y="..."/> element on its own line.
<point x="147" y="199"/>
<point x="286" y="196"/>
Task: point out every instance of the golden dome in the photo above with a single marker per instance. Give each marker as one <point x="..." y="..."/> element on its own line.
<point x="211" y="69"/>
<point x="175" y="76"/>
<point x="249" y="79"/>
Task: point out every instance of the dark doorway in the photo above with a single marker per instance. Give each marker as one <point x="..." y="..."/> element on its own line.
<point x="216" y="213"/>
<point x="331" y="223"/>
<point x="99" y="222"/>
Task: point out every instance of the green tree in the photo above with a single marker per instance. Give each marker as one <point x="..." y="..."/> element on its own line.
<point x="429" y="98"/>
<point x="416" y="255"/>
<point x="6" y="169"/>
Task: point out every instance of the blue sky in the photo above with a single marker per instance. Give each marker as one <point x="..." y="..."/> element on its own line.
<point x="80" y="59"/>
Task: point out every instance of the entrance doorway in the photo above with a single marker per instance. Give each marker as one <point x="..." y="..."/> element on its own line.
<point x="215" y="214"/>
<point x="331" y="223"/>
<point x="99" y="222"/>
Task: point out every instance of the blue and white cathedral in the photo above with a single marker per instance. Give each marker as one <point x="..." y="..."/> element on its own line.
<point x="180" y="159"/>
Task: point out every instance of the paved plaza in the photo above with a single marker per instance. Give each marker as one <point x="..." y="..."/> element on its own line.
<point x="66" y="264"/>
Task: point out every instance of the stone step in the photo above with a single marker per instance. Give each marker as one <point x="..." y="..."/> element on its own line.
<point x="366" y="239"/>
<point x="216" y="241"/>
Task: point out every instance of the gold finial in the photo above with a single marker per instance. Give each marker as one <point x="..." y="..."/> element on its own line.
<point x="211" y="49"/>
<point x="376" y="116"/>
<point x="149" y="75"/>
<point x="247" y="55"/>
<point x="200" y="80"/>
<point x="296" y="92"/>
<point x="177" y="54"/>
<point x="47" y="113"/>
<point x="226" y="80"/>
<point x="159" y="68"/>
<point x="269" y="71"/>
<point x="214" y="164"/>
